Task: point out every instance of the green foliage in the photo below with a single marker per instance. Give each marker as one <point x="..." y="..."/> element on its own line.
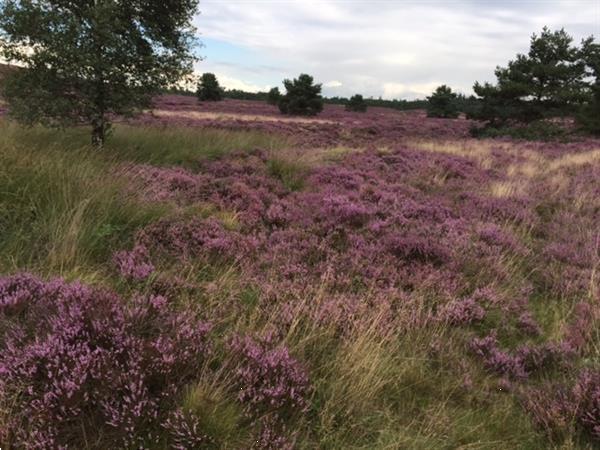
<point x="290" y="173"/>
<point x="442" y="103"/>
<point x="64" y="209"/>
<point x="273" y="96"/>
<point x="540" y="130"/>
<point x="589" y="115"/>
<point x="86" y="61"/>
<point x="209" y="89"/>
<point x="302" y="97"/>
<point x="549" y="81"/>
<point x="356" y="103"/>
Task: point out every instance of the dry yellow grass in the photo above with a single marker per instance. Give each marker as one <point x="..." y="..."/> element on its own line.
<point x="575" y="159"/>
<point x="199" y="115"/>
<point x="479" y="151"/>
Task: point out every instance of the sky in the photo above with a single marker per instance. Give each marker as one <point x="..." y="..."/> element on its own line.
<point x="390" y="48"/>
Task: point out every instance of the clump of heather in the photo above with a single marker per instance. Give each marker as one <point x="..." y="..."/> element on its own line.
<point x="462" y="312"/>
<point x="195" y="238"/>
<point x="580" y="328"/>
<point x="269" y="378"/>
<point x="528" y="325"/>
<point x="272" y="386"/>
<point x="185" y="431"/>
<point x="272" y="435"/>
<point x="84" y="365"/>
<point x="557" y="407"/>
<point x="524" y="361"/>
<point x="586" y="395"/>
<point x="135" y="264"/>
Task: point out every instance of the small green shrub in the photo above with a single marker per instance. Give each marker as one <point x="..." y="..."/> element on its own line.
<point x="209" y="89"/>
<point x="356" y="103"/>
<point x="442" y="103"/>
<point x="540" y="130"/>
<point x="273" y="96"/>
<point x="302" y="97"/>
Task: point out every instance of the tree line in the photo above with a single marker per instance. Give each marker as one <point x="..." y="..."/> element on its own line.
<point x="87" y="62"/>
<point x="554" y="79"/>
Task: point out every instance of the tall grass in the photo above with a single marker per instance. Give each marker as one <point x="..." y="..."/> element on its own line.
<point x="63" y="205"/>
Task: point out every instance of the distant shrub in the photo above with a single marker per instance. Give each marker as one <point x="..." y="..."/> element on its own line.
<point x="356" y="104"/>
<point x="82" y="365"/>
<point x="209" y="89"/>
<point x="302" y="97"/>
<point x="442" y="103"/>
<point x="273" y="96"/>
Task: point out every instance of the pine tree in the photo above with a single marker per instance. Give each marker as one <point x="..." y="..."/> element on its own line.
<point x="548" y="81"/>
<point x="302" y="97"/>
<point x="442" y="103"/>
<point x="273" y="96"/>
<point x="86" y="61"/>
<point x="209" y="89"/>
<point x="356" y="104"/>
<point x="589" y="115"/>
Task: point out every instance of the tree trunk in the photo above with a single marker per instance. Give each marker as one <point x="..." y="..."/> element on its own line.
<point x="98" y="131"/>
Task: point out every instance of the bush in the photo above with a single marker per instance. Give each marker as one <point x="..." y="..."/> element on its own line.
<point x="302" y="97"/>
<point x="556" y="408"/>
<point x="589" y="115"/>
<point x="541" y="130"/>
<point x="442" y="103"/>
<point x="209" y="89"/>
<point x="356" y="104"/>
<point x="548" y="81"/>
<point x="82" y="365"/>
<point x="273" y="96"/>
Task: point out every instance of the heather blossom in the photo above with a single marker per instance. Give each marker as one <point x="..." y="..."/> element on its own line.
<point x="76" y="354"/>
<point x="269" y="378"/>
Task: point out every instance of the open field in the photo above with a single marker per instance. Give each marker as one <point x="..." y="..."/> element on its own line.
<point x="219" y="278"/>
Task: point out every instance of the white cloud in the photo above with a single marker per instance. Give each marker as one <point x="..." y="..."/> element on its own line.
<point x="389" y="48"/>
<point x="333" y="84"/>
<point x="398" y="90"/>
<point x="234" y="83"/>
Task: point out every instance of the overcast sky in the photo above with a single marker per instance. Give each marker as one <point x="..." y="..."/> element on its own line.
<point x="388" y="48"/>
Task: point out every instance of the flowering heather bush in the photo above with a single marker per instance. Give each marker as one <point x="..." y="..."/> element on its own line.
<point x="185" y="431"/>
<point x="462" y="312"/>
<point x="557" y="408"/>
<point x="528" y="325"/>
<point x="81" y="360"/>
<point x="586" y="395"/>
<point x="134" y="264"/>
<point x="195" y="238"/>
<point x="269" y="378"/>
<point x="580" y="328"/>
<point x="523" y="362"/>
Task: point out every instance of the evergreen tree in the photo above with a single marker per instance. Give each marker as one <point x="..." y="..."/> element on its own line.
<point x="589" y="116"/>
<point x="87" y="60"/>
<point x="209" y="89"/>
<point x="548" y="81"/>
<point x="302" y="97"/>
<point x="356" y="103"/>
<point x="273" y="96"/>
<point x="442" y="103"/>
